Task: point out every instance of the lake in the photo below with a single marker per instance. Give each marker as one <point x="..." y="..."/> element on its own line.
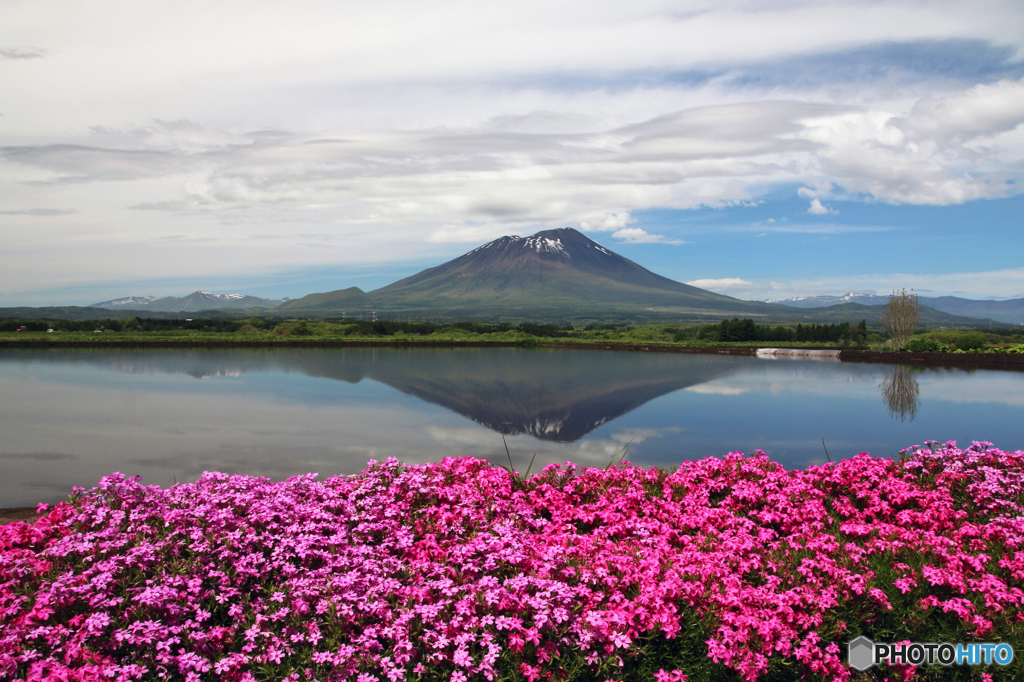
<point x="71" y="416"/>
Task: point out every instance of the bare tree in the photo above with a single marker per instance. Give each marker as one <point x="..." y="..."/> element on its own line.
<point x="901" y="315"/>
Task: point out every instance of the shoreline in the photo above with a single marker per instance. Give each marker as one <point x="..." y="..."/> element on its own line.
<point x="1004" y="361"/>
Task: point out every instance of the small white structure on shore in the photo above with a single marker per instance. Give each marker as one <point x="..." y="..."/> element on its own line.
<point x="812" y="353"/>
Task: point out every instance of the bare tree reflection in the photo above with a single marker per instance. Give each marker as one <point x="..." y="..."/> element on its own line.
<point x="900" y="391"/>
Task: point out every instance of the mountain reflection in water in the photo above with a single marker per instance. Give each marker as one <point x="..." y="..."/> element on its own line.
<point x="552" y="395"/>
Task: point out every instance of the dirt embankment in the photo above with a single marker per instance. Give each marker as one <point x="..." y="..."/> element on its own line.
<point x="1006" y="361"/>
<point x="27" y="514"/>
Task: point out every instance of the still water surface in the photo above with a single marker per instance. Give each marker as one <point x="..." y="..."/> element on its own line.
<point x="71" y="416"/>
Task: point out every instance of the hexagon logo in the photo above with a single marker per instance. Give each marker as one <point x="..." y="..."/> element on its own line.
<point x="861" y="653"/>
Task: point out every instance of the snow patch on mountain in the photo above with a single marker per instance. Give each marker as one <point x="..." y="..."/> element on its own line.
<point x="127" y="301"/>
<point x="822" y="301"/>
<point x="199" y="300"/>
<point x="545" y="245"/>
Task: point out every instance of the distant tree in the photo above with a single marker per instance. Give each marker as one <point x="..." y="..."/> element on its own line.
<point x="901" y="316"/>
<point x="860" y="333"/>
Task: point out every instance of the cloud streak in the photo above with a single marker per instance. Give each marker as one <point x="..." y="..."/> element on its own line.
<point x="21" y="53"/>
<point x="41" y="211"/>
<point x="635" y="235"/>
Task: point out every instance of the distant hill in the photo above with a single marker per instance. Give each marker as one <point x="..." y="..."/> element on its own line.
<point x="196" y="301"/>
<point x="1011" y="311"/>
<point x="1004" y="311"/>
<point x="352" y="298"/>
<point x="849" y="312"/>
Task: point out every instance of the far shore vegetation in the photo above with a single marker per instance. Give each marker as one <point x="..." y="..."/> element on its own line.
<point x="264" y="330"/>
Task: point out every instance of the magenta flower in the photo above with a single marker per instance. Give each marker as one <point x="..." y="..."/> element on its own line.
<point x="455" y="570"/>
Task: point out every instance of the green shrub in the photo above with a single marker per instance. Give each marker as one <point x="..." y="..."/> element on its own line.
<point x="924" y="345"/>
<point x="971" y="341"/>
<point x="964" y="340"/>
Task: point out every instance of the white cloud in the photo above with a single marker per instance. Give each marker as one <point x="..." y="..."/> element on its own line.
<point x="606" y="222"/>
<point x="461" y="234"/>
<point x="718" y="388"/>
<point x="939" y="151"/>
<point x="818" y="208"/>
<point x="635" y="235"/>
<point x="725" y="285"/>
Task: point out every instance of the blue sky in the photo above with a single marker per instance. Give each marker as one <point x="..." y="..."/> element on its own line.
<point x="759" y="149"/>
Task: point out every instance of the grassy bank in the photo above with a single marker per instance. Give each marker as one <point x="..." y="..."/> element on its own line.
<point x="726" y="336"/>
<point x="278" y="332"/>
<point x="724" y="569"/>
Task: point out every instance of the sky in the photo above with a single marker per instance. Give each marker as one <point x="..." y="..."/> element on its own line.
<point x="758" y="149"/>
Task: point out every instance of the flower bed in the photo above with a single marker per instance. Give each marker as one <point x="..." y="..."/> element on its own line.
<point x="726" y="568"/>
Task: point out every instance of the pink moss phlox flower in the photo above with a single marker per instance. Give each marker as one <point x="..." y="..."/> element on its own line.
<point x="455" y="569"/>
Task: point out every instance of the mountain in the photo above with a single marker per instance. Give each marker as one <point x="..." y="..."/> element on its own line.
<point x="1002" y="311"/>
<point x="199" y="300"/>
<point x="555" y="274"/>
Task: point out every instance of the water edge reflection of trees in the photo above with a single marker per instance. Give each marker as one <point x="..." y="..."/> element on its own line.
<point x="901" y="392"/>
